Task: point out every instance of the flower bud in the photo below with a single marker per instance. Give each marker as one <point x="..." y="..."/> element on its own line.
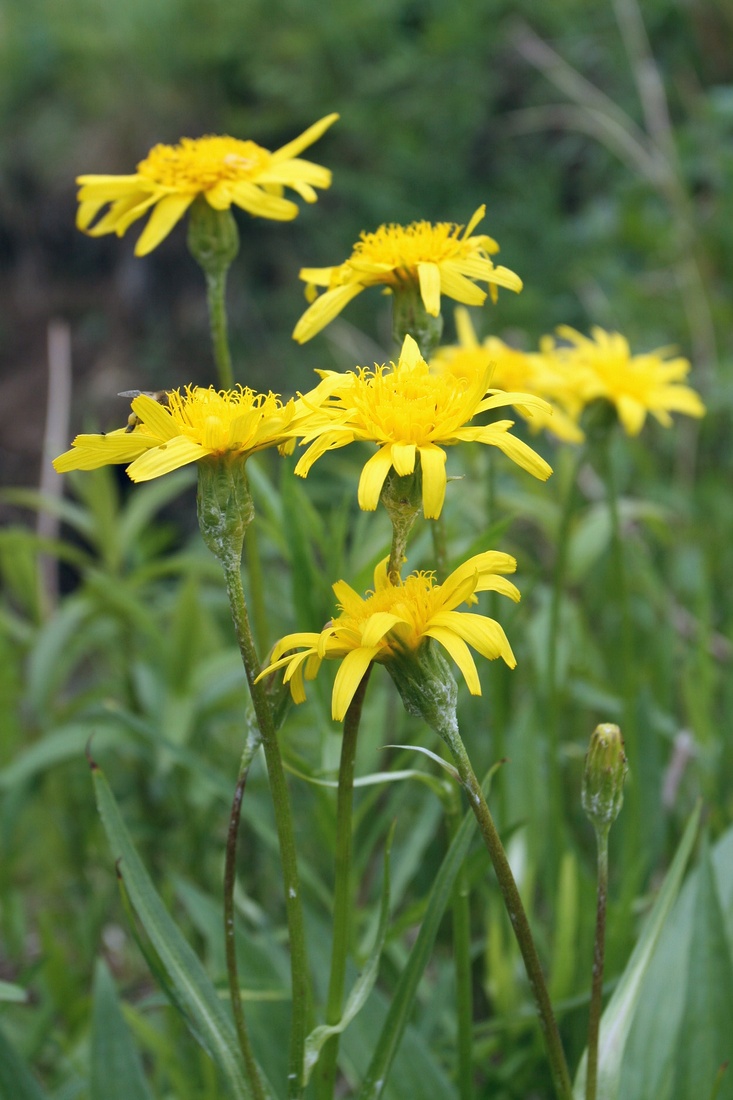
<point x="604" y="775"/>
<point x="213" y="237"/>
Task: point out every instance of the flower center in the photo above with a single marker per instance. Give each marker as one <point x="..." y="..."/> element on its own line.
<point x="198" y="164"/>
<point x="403" y="247"/>
<point x="410" y="405"/>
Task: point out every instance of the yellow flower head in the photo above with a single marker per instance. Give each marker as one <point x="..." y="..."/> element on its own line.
<point x="409" y="412"/>
<point x="636" y="384"/>
<point x="511" y="370"/>
<point x="193" y="424"/>
<point x="223" y="170"/>
<point x="436" y="259"/>
<point x="394" y="621"/>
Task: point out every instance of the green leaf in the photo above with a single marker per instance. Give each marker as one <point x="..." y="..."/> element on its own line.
<point x="403" y="1000"/>
<point x="16" y="1082"/>
<point x="148" y="499"/>
<point x="116" y="1069"/>
<point x="616" y="1020"/>
<point x="205" y="1014"/>
<point x="362" y="986"/>
<point x="65" y="743"/>
<point x="705" y="1039"/>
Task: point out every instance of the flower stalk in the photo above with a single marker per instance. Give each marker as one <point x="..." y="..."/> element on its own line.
<point x="230" y="874"/>
<point x="326" y="1070"/>
<point x="515" y="909"/>
<point x="225" y="510"/>
<point x="602" y="797"/>
<point x="213" y="241"/>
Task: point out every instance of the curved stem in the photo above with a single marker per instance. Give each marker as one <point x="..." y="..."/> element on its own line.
<point x="284" y="824"/>
<point x="515" y="909"/>
<point x="230" y="874"/>
<point x="461" y="914"/>
<point x="599" y="947"/>
<point x="326" y="1073"/>
<point x="216" y="300"/>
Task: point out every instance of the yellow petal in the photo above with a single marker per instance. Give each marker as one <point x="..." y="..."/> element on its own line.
<point x="457" y="286"/>
<point x="464" y="329"/>
<point x="156" y="418"/>
<point x="261" y="204"/>
<point x="90" y="452"/>
<point x="349" y="676"/>
<point x="168" y="456"/>
<point x="297" y="145"/>
<point x="432" y="461"/>
<point x="403" y="458"/>
<point x="372" y="478"/>
<point x="430" y="281"/>
<point x="324" y="309"/>
<point x="377" y="625"/>
<point x="410" y="353"/>
<point x="460" y="653"/>
<point x="166" y="214"/>
<point x="485" y="635"/>
<point x="477" y="216"/>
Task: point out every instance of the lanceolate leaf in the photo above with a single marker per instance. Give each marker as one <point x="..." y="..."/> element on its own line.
<point x="16" y="1082"/>
<point x="194" y="991"/>
<point x="116" y="1069"/>
<point x="705" y="1037"/>
<point x="616" y="1020"/>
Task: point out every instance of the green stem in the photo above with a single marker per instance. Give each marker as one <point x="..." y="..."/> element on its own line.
<point x="326" y="1073"/>
<point x="216" y="300"/>
<point x="515" y="909"/>
<point x="256" y="588"/>
<point x="461" y="914"/>
<point x="284" y="824"/>
<point x="626" y="658"/>
<point x="594" y="1020"/>
<point x="230" y="874"/>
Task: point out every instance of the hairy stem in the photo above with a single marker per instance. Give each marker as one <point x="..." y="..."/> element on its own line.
<point x="515" y="909"/>
<point x="599" y="947"/>
<point x="216" y="300"/>
<point x="230" y="874"/>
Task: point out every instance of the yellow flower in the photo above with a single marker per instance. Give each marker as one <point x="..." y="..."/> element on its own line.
<point x="223" y="170"/>
<point x="410" y="413"/>
<point x="195" y="423"/>
<point x="391" y="623"/>
<point x="636" y="384"/>
<point x="434" y="259"/>
<point x="512" y="370"/>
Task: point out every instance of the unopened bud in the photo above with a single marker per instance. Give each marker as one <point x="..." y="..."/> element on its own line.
<point x="604" y="775"/>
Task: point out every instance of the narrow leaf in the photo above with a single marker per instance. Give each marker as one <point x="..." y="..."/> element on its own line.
<point x="16" y="1082"/>
<point x="616" y="1020"/>
<point x="116" y="1069"/>
<point x="194" y="990"/>
<point x="11" y="992"/>
<point x="705" y="1039"/>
